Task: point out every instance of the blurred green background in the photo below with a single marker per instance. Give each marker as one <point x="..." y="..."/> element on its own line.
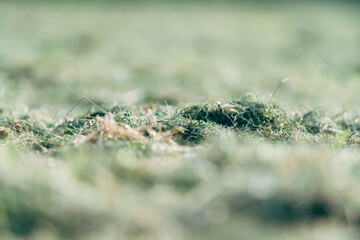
<point x="54" y="52"/>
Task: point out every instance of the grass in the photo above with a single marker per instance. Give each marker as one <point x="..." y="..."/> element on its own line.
<point x="190" y="125"/>
<point x="179" y="148"/>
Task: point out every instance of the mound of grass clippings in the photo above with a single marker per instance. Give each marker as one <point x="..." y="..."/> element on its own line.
<point x="262" y="117"/>
<point x="188" y="125"/>
<point x="249" y="113"/>
<point x="270" y="121"/>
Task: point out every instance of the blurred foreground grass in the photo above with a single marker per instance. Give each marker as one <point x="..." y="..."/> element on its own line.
<point x="181" y="152"/>
<point x="224" y="191"/>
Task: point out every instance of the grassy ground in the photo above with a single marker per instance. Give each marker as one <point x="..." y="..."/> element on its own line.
<point x="178" y="148"/>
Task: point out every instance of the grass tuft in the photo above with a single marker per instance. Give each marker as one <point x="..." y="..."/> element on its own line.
<point x="245" y="113"/>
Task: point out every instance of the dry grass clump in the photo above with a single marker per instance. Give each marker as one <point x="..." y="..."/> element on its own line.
<point x="354" y="139"/>
<point x="4" y="133"/>
<point x="110" y="130"/>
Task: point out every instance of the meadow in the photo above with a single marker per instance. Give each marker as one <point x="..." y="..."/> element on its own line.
<point x="190" y="131"/>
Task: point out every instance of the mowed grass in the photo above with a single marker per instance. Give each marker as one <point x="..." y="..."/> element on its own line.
<point x="179" y="148"/>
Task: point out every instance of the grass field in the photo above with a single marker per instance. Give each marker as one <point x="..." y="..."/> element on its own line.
<point x="188" y="140"/>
